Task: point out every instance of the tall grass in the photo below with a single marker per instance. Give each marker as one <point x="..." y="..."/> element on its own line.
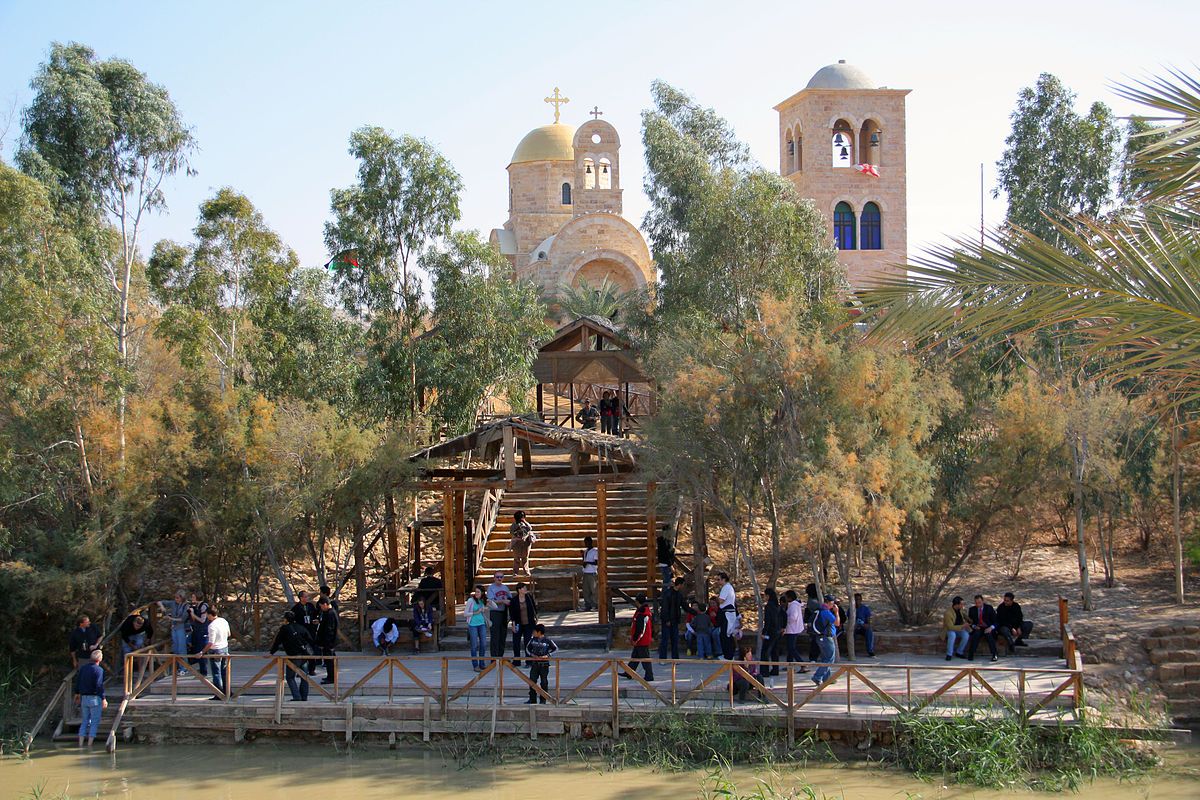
<point x="1001" y="753"/>
<point x="16" y="684"/>
<point x="673" y="742"/>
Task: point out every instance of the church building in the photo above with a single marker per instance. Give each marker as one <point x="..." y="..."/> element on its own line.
<point x="841" y="142"/>
<point x="564" y="223"/>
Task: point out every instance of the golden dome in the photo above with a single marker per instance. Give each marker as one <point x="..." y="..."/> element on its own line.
<point x="547" y="143"/>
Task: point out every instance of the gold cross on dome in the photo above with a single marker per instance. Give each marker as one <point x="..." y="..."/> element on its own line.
<point x="557" y="100"/>
<point x="595" y="112"/>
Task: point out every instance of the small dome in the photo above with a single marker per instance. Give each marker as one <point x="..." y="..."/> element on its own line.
<point x="547" y="143"/>
<point x="840" y="76"/>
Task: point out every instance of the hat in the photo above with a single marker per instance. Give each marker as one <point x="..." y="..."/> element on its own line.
<point x="830" y="598"/>
<point x="641" y="599"/>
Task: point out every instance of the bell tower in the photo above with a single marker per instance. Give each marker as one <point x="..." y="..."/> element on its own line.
<point x="597" y="168"/>
<point x="842" y="143"/>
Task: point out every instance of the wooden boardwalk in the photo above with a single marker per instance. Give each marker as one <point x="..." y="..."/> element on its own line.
<point x="441" y="694"/>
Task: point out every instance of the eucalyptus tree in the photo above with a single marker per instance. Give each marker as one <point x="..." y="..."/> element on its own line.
<point x="106" y="138"/>
<point x="220" y="293"/>
<point x="486" y="331"/>
<point x="406" y="197"/>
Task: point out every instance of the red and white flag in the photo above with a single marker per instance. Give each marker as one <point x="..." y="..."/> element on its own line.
<point x="868" y="169"/>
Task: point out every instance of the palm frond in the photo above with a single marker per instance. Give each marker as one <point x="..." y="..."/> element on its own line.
<point x="1170" y="160"/>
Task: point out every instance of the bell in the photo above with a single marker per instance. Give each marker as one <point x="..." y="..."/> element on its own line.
<point x="845" y="154"/>
<point x="604" y="169"/>
<point x="874" y="138"/>
<point x="589" y="169"/>
<point x="837" y="139"/>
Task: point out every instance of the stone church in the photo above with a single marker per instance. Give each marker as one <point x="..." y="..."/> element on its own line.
<point x="841" y="142"/>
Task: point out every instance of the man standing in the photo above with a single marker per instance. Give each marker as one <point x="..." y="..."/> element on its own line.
<point x="181" y="625"/>
<point x="982" y="619"/>
<point x="327" y="630"/>
<point x="1011" y="623"/>
<point x="641" y="635"/>
<point x="825" y="630"/>
<point x="539" y="650"/>
<point x="84" y="639"/>
<point x="497" y="602"/>
<point x="863" y="625"/>
<point x="591" y="571"/>
<point x="523" y="612"/>
<point x="295" y="641"/>
<point x="588" y="416"/>
<point x="89" y="696"/>
<point x="217" y="645"/>
<point x="727" y="605"/>
<point x="305" y="613"/>
<point x="198" y="611"/>
<point x="670" y="615"/>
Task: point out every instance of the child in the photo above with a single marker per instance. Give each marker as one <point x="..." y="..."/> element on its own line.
<point x="714" y="615"/>
<point x="702" y="625"/>
<point x="422" y="624"/>
<point x="741" y="686"/>
<point x="689" y="633"/>
<point x="538" y="653"/>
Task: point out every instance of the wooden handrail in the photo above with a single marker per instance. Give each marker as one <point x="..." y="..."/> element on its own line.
<point x="982" y="686"/>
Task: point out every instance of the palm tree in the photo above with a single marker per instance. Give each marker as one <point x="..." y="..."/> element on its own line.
<point x="1126" y="286"/>
<point x="605" y="300"/>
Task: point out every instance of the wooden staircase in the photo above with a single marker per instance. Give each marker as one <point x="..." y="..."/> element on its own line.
<point x="561" y="518"/>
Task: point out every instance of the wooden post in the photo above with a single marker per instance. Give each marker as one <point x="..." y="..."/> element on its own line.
<point x="699" y="552"/>
<point x="360" y="577"/>
<point x="1064" y="616"/>
<point x="651" y="539"/>
<point x="448" y="545"/>
<point x="602" y="547"/>
<point x="527" y="457"/>
<point x="571" y="396"/>
<point x="393" y="540"/>
<point x="415" y="550"/>
<point x="457" y="574"/>
<point x="541" y="416"/>
<point x="510" y="456"/>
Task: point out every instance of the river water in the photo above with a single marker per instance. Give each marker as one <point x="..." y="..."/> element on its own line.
<point x="288" y="771"/>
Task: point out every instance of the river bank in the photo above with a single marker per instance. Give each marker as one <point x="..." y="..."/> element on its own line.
<point x="272" y="771"/>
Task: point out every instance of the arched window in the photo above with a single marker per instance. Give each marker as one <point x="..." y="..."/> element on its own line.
<point x="843" y="226"/>
<point x="589" y="174"/>
<point x="789" y="153"/>
<point x="842" y="144"/>
<point x="604" y="180"/>
<point x="566" y="194"/>
<point x="870" y="136"/>
<point x="872" y="228"/>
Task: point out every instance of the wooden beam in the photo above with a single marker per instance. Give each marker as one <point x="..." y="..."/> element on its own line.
<point x="526" y="455"/>
<point x="415" y="551"/>
<point x="602" y="547"/>
<point x="360" y="576"/>
<point x="563" y="481"/>
<point x="448" y="545"/>
<point x="699" y="551"/>
<point x="458" y="541"/>
<point x="651" y="539"/>
<point x="393" y="539"/>
<point x="510" y="455"/>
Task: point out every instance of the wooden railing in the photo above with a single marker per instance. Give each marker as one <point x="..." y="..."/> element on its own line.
<point x="868" y="690"/>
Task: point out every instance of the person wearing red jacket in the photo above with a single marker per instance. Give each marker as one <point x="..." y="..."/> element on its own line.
<point x="641" y="635"/>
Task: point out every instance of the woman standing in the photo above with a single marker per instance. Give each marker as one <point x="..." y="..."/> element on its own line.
<point x="477" y="628"/>
<point x="521" y="543"/>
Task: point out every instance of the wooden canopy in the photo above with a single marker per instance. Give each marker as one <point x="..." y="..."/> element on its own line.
<point x="588" y="350"/>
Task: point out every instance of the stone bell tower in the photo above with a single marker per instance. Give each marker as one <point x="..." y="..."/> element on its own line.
<point x="842" y="143"/>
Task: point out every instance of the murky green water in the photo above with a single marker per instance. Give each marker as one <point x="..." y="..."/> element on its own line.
<point x="264" y="771"/>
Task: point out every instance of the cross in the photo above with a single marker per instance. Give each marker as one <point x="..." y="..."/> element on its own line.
<point x="595" y="112"/>
<point x="557" y="100"/>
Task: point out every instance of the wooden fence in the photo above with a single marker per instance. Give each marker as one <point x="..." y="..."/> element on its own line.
<point x="856" y="689"/>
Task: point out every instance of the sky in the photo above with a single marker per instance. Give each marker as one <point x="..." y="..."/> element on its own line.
<point x="272" y="90"/>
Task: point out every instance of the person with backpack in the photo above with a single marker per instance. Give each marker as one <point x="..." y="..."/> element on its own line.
<point x="812" y="607"/>
<point x="305" y="612"/>
<point x="641" y="635"/>
<point x="296" y="642"/>
<point x="825" y="631"/>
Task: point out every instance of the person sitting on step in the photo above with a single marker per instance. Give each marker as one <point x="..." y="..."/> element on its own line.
<point x="422" y="623"/>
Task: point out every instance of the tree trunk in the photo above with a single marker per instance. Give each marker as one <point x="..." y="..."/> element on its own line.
<point x="1176" y="523"/>
<point x="773" y="513"/>
<point x="1079" y="454"/>
<point x="847" y="583"/>
<point x="743" y="548"/>
<point x="699" y="552"/>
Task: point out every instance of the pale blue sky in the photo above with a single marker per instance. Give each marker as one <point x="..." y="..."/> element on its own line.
<point x="273" y="89"/>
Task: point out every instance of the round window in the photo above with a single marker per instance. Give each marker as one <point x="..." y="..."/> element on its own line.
<point x="595" y="138"/>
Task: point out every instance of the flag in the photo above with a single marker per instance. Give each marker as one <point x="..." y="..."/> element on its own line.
<point x="868" y="169"/>
<point x="346" y="258"/>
